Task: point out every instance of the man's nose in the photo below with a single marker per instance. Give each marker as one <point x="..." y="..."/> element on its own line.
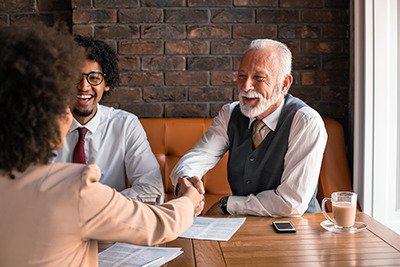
<point x="246" y="85"/>
<point x="83" y="84"/>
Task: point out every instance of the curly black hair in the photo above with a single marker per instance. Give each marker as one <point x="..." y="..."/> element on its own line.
<point x="39" y="67"/>
<point x="103" y="54"/>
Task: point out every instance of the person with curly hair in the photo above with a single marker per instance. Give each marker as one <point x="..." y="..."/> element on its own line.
<point x="112" y="138"/>
<point x="52" y="214"/>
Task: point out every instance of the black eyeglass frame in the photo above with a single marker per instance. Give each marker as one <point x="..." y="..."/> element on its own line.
<point x="86" y="75"/>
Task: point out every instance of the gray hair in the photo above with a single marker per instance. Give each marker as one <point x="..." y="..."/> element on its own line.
<point x="284" y="55"/>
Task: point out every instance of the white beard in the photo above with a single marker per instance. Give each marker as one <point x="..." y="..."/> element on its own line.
<point x="262" y="105"/>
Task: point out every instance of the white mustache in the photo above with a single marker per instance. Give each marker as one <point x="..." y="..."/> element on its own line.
<point x="250" y="94"/>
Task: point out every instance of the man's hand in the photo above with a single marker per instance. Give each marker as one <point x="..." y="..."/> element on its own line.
<point x="196" y="182"/>
<point x="187" y="189"/>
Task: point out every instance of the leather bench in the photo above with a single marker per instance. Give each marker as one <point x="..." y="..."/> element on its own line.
<point x="171" y="138"/>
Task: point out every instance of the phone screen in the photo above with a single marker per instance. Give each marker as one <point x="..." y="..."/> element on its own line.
<point x="283" y="227"/>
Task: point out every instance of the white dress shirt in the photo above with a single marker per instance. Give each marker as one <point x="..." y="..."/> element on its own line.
<point x="117" y="143"/>
<point x="302" y="162"/>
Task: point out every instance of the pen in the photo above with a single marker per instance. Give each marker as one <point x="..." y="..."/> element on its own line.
<point x="153" y="262"/>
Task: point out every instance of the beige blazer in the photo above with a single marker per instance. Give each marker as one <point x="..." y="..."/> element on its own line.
<point x="52" y="215"/>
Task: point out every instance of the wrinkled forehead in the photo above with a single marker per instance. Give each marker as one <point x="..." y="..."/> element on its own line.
<point x="257" y="60"/>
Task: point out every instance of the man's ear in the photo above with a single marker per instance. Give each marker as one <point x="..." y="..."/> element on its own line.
<point x="287" y="82"/>
<point x="107" y="88"/>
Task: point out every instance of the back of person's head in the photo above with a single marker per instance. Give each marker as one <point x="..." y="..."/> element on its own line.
<point x="284" y="56"/>
<point x="104" y="55"/>
<point x="39" y="67"/>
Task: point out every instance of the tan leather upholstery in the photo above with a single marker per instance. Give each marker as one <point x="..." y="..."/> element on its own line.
<point x="170" y="139"/>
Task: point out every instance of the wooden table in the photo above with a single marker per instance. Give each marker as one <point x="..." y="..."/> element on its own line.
<point x="257" y="244"/>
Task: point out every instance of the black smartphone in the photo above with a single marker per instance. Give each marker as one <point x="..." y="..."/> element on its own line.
<point x="284" y="227"/>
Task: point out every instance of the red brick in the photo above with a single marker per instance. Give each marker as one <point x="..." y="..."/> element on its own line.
<point x="210" y="94"/>
<point x="231" y="15"/>
<point x="209" y="3"/>
<point x="215" y="108"/>
<point x="236" y="62"/>
<point x="115" y="3"/>
<point x="112" y="43"/>
<point x="81" y="3"/>
<point x="335" y="62"/>
<point x="144" y="110"/>
<point x="209" y="32"/>
<point x="331" y="109"/>
<point x="163" y="31"/>
<point x="117" y="31"/>
<point x="209" y="63"/>
<point x="110" y="104"/>
<point x="229" y="47"/>
<point x="186" y="110"/>
<point x="142" y="78"/>
<point x="306" y="93"/>
<point x="157" y="94"/>
<point x="94" y="16"/>
<point x="306" y="63"/>
<point x="186" y="47"/>
<point x="18" y="6"/>
<point x="32" y="18"/>
<point x="126" y="63"/>
<point x="337" y="3"/>
<point x="278" y="16"/>
<point x="51" y="5"/>
<point x="324" y="78"/>
<point x="294" y="46"/>
<point x="223" y="77"/>
<point x="301" y="3"/>
<point x="336" y="31"/>
<point x="299" y="31"/>
<point x="163" y="3"/>
<point x="296" y="77"/>
<point x="260" y="3"/>
<point x="3" y="20"/>
<point x="318" y="16"/>
<point x="142" y="15"/>
<point x="322" y="47"/>
<point x="123" y="94"/>
<point x="141" y="47"/>
<point x="186" y="16"/>
<point x="163" y="63"/>
<point x="186" y="78"/>
<point x="254" y="31"/>
<point x="335" y="94"/>
<point x="85" y="30"/>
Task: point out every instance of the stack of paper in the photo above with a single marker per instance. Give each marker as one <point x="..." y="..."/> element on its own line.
<point x="219" y="229"/>
<point x="121" y="254"/>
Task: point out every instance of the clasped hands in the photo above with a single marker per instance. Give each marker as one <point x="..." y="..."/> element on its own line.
<point x="193" y="187"/>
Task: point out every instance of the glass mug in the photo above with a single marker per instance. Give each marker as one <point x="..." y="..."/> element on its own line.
<point x="344" y="205"/>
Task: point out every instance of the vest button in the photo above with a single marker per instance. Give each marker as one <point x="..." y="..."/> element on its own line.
<point x="251" y="159"/>
<point x="248" y="181"/>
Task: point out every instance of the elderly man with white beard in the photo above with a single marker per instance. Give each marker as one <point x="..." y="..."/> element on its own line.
<point x="275" y="141"/>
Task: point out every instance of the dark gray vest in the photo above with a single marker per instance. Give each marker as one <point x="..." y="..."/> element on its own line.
<point x="252" y="171"/>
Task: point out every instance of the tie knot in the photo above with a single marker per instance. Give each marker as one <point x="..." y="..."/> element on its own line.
<point x="258" y="125"/>
<point x="82" y="132"/>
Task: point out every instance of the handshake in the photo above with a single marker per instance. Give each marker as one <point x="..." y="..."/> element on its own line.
<point x="193" y="188"/>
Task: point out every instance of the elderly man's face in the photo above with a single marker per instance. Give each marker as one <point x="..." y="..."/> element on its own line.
<point x="257" y="82"/>
<point x="89" y="91"/>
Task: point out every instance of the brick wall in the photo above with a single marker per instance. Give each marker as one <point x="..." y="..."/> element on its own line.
<point x="178" y="57"/>
<point x="17" y="12"/>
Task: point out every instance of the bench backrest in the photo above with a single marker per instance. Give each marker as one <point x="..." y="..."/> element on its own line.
<point x="171" y="138"/>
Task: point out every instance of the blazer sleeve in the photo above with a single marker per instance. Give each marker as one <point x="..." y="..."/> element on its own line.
<point x="107" y="215"/>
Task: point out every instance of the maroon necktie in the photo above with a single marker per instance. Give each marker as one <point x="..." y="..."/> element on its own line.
<point x="79" y="151"/>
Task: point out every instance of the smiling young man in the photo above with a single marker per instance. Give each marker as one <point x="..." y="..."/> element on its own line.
<point x="275" y="141"/>
<point x="112" y="138"/>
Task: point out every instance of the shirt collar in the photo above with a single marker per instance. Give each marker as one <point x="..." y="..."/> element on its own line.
<point x="272" y="119"/>
<point x="91" y="125"/>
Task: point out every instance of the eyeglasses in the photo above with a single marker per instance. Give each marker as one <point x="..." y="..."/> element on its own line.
<point x="93" y="78"/>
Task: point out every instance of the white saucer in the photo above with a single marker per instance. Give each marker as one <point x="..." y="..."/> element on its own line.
<point x="357" y="227"/>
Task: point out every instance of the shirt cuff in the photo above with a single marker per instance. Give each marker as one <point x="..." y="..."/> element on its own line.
<point x="237" y="204"/>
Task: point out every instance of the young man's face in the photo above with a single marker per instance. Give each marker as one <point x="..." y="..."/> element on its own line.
<point x="89" y="92"/>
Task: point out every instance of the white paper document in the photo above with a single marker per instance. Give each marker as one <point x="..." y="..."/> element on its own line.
<point x="218" y="229"/>
<point x="121" y="254"/>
